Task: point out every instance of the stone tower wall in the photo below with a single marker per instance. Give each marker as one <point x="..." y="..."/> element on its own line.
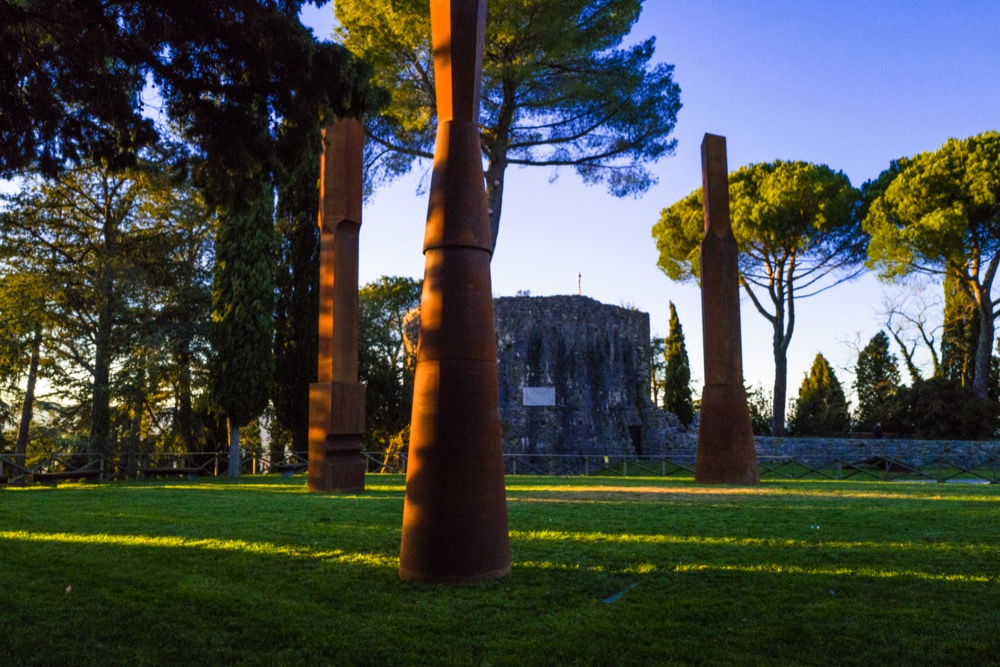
<point x="596" y="359"/>
<point x="593" y="359"/>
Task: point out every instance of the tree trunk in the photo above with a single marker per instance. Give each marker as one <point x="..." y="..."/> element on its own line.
<point x="27" y="410"/>
<point x="911" y="366"/>
<point x="780" y="385"/>
<point x="496" y="148"/>
<point x="100" y="405"/>
<point x="134" y="434"/>
<point x="784" y="325"/>
<point x="494" y="194"/>
<point x="234" y="448"/>
<point x="185" y="411"/>
<point x="984" y="351"/>
<point x="300" y="441"/>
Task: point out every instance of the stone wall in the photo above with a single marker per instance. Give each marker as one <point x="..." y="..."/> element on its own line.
<point x="915" y="453"/>
<point x="594" y="358"/>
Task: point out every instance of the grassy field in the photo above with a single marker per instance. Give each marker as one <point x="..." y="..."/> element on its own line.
<point x="260" y="572"/>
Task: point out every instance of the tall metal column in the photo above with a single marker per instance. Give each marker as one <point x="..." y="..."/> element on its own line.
<point x="337" y="398"/>
<point x="726" y="453"/>
<point x="455" y="513"/>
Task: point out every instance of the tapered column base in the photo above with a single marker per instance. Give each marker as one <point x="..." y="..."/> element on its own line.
<point x="336" y="424"/>
<point x="726" y="453"/>
<point x="455" y="514"/>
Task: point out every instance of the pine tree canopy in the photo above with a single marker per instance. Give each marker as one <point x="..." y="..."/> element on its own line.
<point x="940" y="216"/>
<point x="797" y="233"/>
<point x="559" y="90"/>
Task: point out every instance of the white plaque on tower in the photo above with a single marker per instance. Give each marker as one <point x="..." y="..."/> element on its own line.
<point x="538" y="396"/>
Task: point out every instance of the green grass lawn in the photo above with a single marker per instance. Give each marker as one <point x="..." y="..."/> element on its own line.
<point x="260" y="572"/>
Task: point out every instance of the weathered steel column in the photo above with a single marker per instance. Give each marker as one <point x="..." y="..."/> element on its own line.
<point x="337" y="399"/>
<point x="726" y="452"/>
<point x="455" y="513"/>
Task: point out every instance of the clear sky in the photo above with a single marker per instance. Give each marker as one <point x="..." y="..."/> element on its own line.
<point x="852" y="84"/>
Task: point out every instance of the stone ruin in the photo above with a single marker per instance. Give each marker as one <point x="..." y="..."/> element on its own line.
<point x="574" y="378"/>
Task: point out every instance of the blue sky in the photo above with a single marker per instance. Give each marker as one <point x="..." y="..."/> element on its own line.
<point x="850" y="84"/>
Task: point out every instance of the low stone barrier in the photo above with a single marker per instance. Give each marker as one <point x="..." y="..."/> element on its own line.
<point x="914" y="453"/>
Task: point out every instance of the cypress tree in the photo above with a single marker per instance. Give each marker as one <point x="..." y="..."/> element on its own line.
<point x="296" y="330"/>
<point x="677" y="376"/>
<point x="822" y="407"/>
<point x="243" y="308"/>
<point x="296" y="318"/>
<point x="876" y="383"/>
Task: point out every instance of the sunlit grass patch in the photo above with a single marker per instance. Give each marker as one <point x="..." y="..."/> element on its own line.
<point x="163" y="542"/>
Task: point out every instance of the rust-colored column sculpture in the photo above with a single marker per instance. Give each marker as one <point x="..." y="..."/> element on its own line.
<point x="455" y="513"/>
<point x="726" y="453"/>
<point x="337" y="399"/>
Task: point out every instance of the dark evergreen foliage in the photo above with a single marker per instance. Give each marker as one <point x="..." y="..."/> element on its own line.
<point x="677" y="376"/>
<point x="243" y="306"/>
<point x="821" y="408"/>
<point x="296" y="321"/>
<point x="72" y="73"/>
<point x="941" y="409"/>
<point x="876" y="381"/>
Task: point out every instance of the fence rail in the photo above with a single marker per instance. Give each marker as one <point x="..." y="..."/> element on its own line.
<point x="82" y="466"/>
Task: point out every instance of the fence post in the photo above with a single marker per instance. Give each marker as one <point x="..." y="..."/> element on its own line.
<point x="624" y="467"/>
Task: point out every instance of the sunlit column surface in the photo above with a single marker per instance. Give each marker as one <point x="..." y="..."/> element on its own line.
<point x="337" y="399"/>
<point x="455" y="514"/>
<point x="726" y="452"/>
